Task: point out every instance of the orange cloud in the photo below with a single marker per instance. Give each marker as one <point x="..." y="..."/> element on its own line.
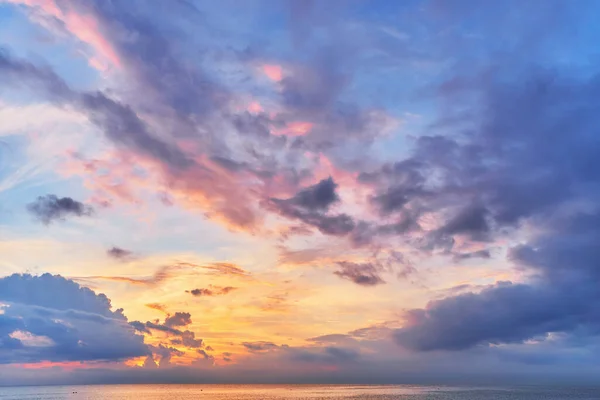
<point x="158" y="307"/>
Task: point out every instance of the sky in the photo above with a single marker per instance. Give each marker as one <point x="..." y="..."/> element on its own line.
<point x="299" y="191"/>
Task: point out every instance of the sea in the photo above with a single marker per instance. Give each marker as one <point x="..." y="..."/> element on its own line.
<point x="292" y="392"/>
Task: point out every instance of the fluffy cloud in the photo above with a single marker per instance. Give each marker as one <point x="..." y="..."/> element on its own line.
<point x="519" y="175"/>
<point x="178" y="319"/>
<point x="172" y="327"/>
<point x="49" y="318"/>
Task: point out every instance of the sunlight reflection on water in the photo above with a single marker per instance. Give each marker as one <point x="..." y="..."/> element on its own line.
<point x="315" y="392"/>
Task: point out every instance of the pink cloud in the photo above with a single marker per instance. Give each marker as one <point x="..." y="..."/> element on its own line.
<point x="273" y="72"/>
<point x="296" y="128"/>
<point x="83" y="27"/>
<point x="255" y="107"/>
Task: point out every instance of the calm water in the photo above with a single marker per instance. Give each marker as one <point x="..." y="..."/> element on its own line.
<point x="292" y="392"/>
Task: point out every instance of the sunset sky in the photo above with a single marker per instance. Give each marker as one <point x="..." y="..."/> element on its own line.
<point x="299" y="191"/>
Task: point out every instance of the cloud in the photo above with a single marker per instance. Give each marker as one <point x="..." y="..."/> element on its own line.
<point x="224" y="269"/>
<point x="165" y="354"/>
<point x="161" y="275"/>
<point x="317" y="197"/>
<point x="335" y="338"/>
<point x="512" y="176"/>
<point x="475" y="254"/>
<point x="165" y="273"/>
<point x="119" y="253"/>
<point x="178" y="319"/>
<point x="119" y="122"/>
<point x="172" y="326"/>
<point x="188" y="339"/>
<point x="150" y="326"/>
<point x="364" y="274"/>
<point x="50" y="208"/>
<point x="310" y="205"/>
<point x="158" y="307"/>
<point x="260" y="346"/>
<point x="471" y="220"/>
<point x="211" y="291"/>
<point x="205" y="355"/>
<point x="50" y="318"/>
<point x="564" y="257"/>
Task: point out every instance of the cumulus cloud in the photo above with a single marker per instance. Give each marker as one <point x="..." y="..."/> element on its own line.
<point x="51" y="208"/>
<point x="178" y="319"/>
<point x="526" y="183"/>
<point x="188" y="339"/>
<point x="74" y="323"/>
<point x="173" y="327"/>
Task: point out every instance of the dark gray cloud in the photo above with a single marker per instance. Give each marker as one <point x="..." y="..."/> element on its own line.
<point x="68" y="323"/>
<point x="51" y="208"/>
<point x="204" y="354"/>
<point x="188" y="339"/>
<point x="260" y="346"/>
<point x="364" y="274"/>
<point x="164" y="354"/>
<point x="564" y="257"/>
<point x="399" y="184"/>
<point x="471" y="221"/>
<point x="474" y="254"/>
<point x="505" y="313"/>
<point x="178" y="319"/>
<point x="149" y="326"/>
<point x="316" y="197"/>
<point x="119" y="253"/>
<point x="171" y="326"/>
<point x="310" y="205"/>
<point x="212" y="291"/>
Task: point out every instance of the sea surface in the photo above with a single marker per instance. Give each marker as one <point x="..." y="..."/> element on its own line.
<point x="291" y="392"/>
